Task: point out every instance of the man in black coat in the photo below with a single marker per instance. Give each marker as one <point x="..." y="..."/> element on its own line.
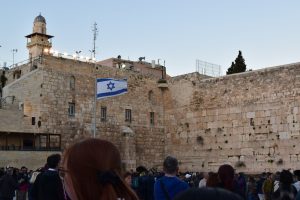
<point x="8" y="185"/>
<point x="48" y="185"/>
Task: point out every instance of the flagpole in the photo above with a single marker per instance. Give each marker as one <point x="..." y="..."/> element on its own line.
<point x="95" y="98"/>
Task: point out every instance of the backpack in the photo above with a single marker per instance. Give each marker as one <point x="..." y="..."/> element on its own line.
<point x="287" y="194"/>
<point x="1" y="181"/>
<point x="135" y="182"/>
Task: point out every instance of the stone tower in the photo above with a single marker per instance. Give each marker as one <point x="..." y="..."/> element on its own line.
<point x="39" y="42"/>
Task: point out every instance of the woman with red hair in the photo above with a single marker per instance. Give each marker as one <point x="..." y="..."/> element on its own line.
<point x="92" y="171"/>
<point x="227" y="181"/>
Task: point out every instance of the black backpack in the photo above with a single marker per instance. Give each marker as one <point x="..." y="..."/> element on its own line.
<point x="287" y="194"/>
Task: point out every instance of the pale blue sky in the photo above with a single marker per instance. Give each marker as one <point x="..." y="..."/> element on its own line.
<point x="178" y="31"/>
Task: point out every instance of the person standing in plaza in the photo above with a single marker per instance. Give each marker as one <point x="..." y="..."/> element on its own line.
<point x="213" y="180"/>
<point x="268" y="187"/>
<point x="203" y="181"/>
<point x="48" y="185"/>
<point x="251" y="189"/>
<point x="297" y="177"/>
<point x="23" y="180"/>
<point x="167" y="187"/>
<point x="145" y="186"/>
<point x="8" y="185"/>
<point x="286" y="190"/>
<point x="259" y="186"/>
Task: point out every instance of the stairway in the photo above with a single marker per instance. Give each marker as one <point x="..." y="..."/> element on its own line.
<point x="11" y="118"/>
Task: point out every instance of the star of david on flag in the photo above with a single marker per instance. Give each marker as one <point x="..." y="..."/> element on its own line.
<point x="109" y="87"/>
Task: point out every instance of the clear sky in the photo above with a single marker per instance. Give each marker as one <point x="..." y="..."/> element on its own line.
<point x="177" y="31"/>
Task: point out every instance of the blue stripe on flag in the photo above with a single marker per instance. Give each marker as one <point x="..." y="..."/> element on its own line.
<point x="103" y="79"/>
<point x="108" y="87"/>
<point x="109" y="79"/>
<point x="107" y="94"/>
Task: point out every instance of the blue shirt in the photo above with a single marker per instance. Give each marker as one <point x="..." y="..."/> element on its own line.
<point x="173" y="186"/>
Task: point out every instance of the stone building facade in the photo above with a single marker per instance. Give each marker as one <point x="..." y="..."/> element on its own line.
<point x="249" y="120"/>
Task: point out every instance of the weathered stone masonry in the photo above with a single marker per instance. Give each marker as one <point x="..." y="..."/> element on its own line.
<point x="249" y="119"/>
<point x="49" y="92"/>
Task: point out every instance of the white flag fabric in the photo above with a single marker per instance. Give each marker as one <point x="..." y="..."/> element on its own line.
<point x="109" y="87"/>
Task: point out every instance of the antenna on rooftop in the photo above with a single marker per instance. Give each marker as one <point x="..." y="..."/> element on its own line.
<point x="95" y="33"/>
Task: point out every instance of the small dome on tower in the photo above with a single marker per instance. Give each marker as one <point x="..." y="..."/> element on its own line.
<point x="40" y="18"/>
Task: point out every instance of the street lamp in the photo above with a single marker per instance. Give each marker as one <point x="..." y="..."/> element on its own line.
<point x="92" y="53"/>
<point x="14" y="51"/>
<point x="77" y="53"/>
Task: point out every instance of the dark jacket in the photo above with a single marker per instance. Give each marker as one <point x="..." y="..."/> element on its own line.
<point x="285" y="192"/>
<point x="8" y="185"/>
<point x="145" y="187"/>
<point x="48" y="186"/>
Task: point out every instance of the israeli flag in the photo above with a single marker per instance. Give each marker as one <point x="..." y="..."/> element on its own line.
<point x="109" y="87"/>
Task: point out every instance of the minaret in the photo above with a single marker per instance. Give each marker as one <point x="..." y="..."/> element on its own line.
<point x="39" y="43"/>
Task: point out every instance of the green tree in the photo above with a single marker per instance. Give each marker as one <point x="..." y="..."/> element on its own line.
<point x="237" y="66"/>
<point x="231" y="68"/>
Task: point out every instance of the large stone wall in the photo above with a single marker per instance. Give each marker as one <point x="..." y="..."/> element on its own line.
<point x="142" y="98"/>
<point x="27" y="94"/>
<point x="250" y="120"/>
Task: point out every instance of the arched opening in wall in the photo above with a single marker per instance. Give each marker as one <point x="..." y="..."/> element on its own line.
<point x="20" y="73"/>
<point x="17" y="74"/>
<point x="72" y="83"/>
<point x="150" y="96"/>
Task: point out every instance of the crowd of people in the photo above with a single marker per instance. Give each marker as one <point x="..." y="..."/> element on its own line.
<point x="266" y="186"/>
<point x="92" y="170"/>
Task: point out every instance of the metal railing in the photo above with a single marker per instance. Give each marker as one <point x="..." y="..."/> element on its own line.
<point x="27" y="61"/>
<point x="23" y="148"/>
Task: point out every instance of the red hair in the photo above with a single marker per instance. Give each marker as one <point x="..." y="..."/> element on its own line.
<point x="84" y="160"/>
<point x="226" y="175"/>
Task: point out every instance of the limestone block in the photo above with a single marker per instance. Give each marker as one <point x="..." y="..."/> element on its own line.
<point x="294" y="158"/>
<point x="235" y="131"/>
<point x="242" y="158"/>
<point x="260" y="113"/>
<point x="235" y="123"/>
<point x="284" y="135"/>
<point x="247" y="151"/>
<point x="290" y="119"/>
<point x="295" y="133"/>
<point x="212" y="125"/>
<point x="222" y="111"/>
<point x="235" y="110"/>
<point x="250" y="115"/>
<point x="210" y="112"/>
<point x="267" y="113"/>
<point x="261" y="137"/>
<point x="233" y="159"/>
<point x="295" y="110"/>
<point x="245" y="138"/>
<point x="222" y="117"/>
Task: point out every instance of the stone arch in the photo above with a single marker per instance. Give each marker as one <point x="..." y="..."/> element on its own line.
<point x="150" y="95"/>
